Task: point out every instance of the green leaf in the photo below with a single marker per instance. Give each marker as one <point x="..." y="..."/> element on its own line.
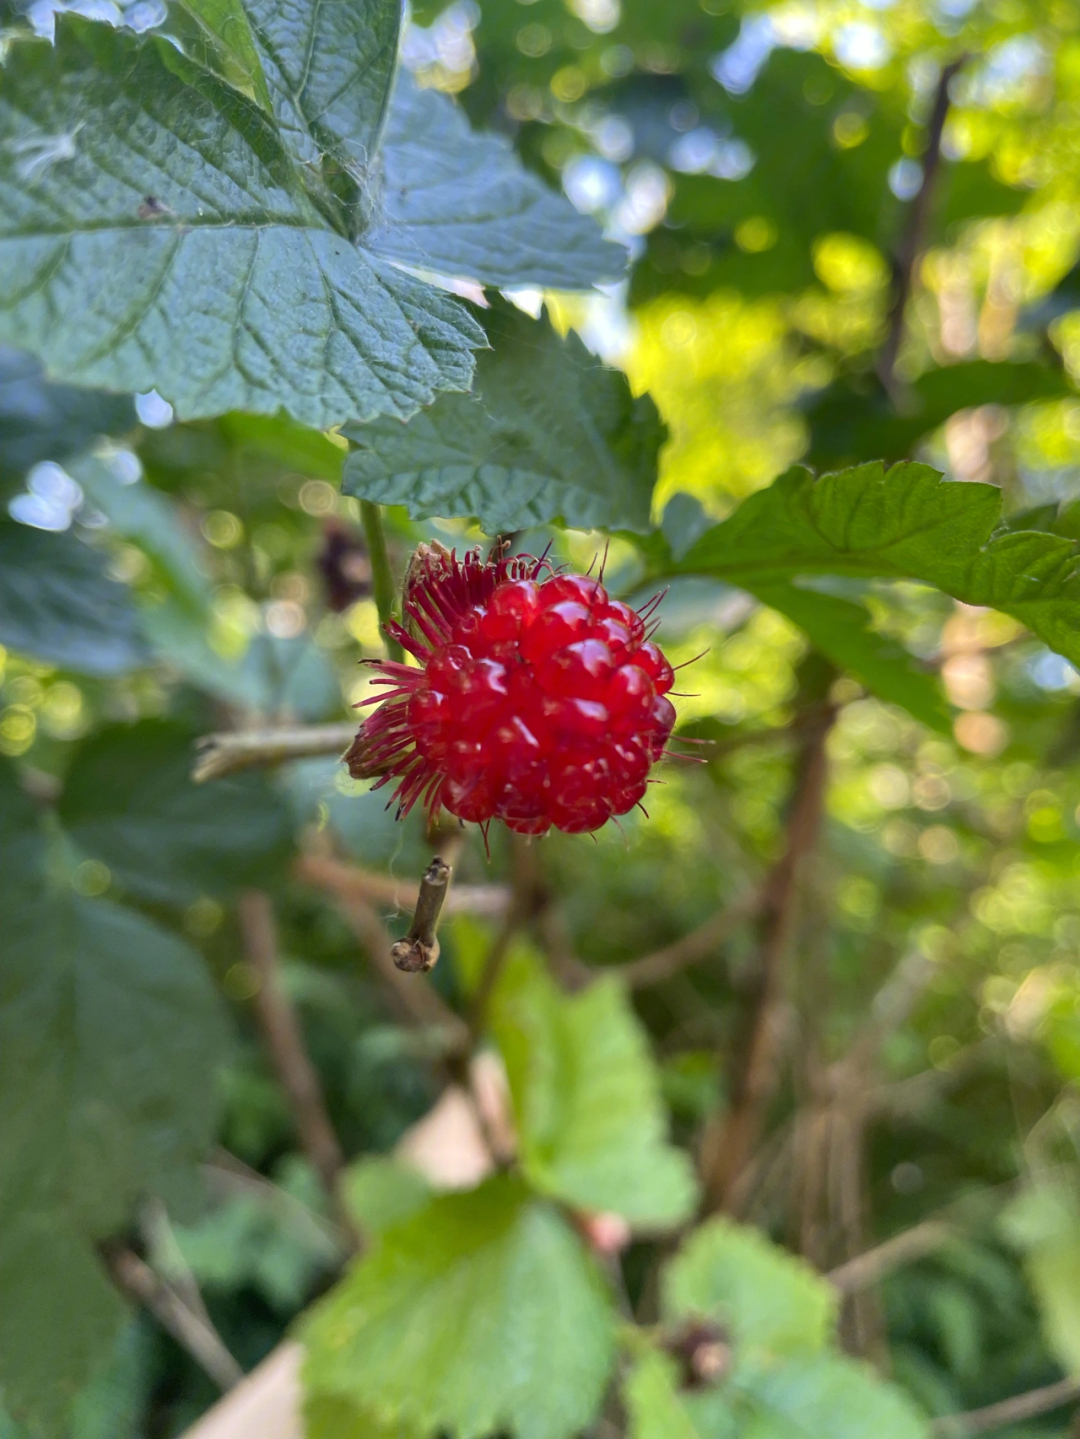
<point x="228" y="46"/>
<point x="129" y="801"/>
<point x="110" y="1033"/>
<point x="39" y="421"/>
<point x="771" y="1302"/>
<point x="827" y="1396"/>
<point x="460" y="203"/>
<point x="586" y="1093"/>
<point x="657" y="1410"/>
<point x="840" y="629"/>
<point x="110" y="1037"/>
<point x="854" y="420"/>
<point x="177" y="248"/>
<point x="381" y="1192"/>
<point x="59" y="1318"/>
<point x="430" y="1329"/>
<point x="550" y="434"/>
<point x="907" y="523"/>
<point x="1043" y="1222"/>
<point x="58" y="604"/>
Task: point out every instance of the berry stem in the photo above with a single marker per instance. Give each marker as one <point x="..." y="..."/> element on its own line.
<point x="382" y="579"/>
<point x="419" y="950"/>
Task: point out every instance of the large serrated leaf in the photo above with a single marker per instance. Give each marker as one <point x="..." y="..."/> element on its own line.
<point x="110" y="1033"/>
<point x="59" y="1317"/>
<point x="163" y="238"/>
<point x="110" y="1036"/>
<point x="430" y="1331"/>
<point x="39" y="421"/>
<point x="771" y="1302"/>
<point x="58" y="604"/>
<point x="587" y="1099"/>
<point x="460" y="203"/>
<point x="904" y="523"/>
<point x="129" y="801"/>
<point x="551" y="433"/>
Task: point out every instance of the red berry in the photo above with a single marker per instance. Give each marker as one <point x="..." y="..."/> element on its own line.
<point x="536" y="701"/>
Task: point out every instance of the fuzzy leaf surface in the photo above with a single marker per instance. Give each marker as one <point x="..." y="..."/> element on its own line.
<point x="58" y="604"/>
<point x="218" y="279"/>
<point x="329" y="69"/>
<point x="587" y="1099"/>
<point x="459" y="202"/>
<point x="429" y="1331"/>
<point x="904" y="523"/>
<point x="550" y="433"/>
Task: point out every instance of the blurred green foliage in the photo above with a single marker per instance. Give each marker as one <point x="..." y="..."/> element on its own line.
<point x="762" y="165"/>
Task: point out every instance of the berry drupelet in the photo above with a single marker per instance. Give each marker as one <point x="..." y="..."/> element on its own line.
<point x="539" y="701"/>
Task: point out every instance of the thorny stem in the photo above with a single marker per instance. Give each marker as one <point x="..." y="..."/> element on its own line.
<point x="382" y="579"/>
<point x="913" y="238"/>
<point x="732" y="1142"/>
<point x="193" y="1332"/>
<point x="418" y="952"/>
<point x="284" y="1040"/>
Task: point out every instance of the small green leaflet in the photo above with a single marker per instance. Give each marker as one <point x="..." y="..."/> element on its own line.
<point x="550" y="433"/>
<point x="904" y="523"/>
<point x="58" y="604"/>
<point x="221" y="279"/>
<point x="657" y="1410"/>
<point x="770" y="1302"/>
<point x="824" y="1396"/>
<point x="587" y="1100"/>
<point x="429" y="1333"/>
<point x="461" y="203"/>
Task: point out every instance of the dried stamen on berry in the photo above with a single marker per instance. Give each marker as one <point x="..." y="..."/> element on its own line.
<point x="539" y="700"/>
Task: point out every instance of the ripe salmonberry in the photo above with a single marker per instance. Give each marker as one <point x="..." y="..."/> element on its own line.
<point x="539" y="701"/>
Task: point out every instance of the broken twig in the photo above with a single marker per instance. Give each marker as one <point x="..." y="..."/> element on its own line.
<point x="418" y="952"/>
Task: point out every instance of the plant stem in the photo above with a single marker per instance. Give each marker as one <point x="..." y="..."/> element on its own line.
<point x="913" y="238"/>
<point x="191" y="1331"/>
<point x="382" y="579"/>
<point x="222" y="754"/>
<point x="1009" y="1411"/>
<point x="284" y="1040"/>
<point x="733" y="1139"/>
